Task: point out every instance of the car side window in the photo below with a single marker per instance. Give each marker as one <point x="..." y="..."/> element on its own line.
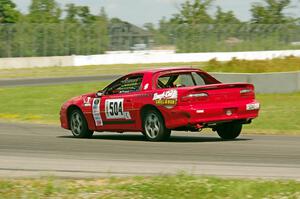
<point x="125" y="85"/>
<point x="175" y="80"/>
<point x="198" y="79"/>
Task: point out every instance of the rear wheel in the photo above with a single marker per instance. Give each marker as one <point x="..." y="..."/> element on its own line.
<point x="79" y="126"/>
<point x="154" y="127"/>
<point x="229" y="131"/>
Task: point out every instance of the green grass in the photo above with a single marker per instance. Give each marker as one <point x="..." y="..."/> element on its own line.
<point x="40" y="103"/>
<point x="280" y="113"/>
<point x="160" y="187"/>
<point x="258" y="66"/>
<point x="233" y="66"/>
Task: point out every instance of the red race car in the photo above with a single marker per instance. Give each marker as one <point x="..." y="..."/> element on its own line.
<point x="157" y="101"/>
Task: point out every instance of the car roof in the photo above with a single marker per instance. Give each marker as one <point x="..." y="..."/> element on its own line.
<point x="167" y="69"/>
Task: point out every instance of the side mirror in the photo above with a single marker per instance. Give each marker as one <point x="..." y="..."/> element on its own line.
<point x="99" y="93"/>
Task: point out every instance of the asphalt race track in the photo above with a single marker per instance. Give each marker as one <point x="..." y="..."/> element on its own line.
<point x="28" y="150"/>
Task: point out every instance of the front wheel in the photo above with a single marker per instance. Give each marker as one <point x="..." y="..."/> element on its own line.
<point x="229" y="131"/>
<point x="79" y="126"/>
<point x="154" y="127"/>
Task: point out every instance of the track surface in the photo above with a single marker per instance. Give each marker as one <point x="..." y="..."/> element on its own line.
<point x="51" y="81"/>
<point x="32" y="150"/>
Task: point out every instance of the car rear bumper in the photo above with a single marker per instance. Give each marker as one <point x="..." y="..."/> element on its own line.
<point x="202" y="115"/>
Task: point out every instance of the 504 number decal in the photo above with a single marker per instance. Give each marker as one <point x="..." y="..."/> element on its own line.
<point x="114" y="109"/>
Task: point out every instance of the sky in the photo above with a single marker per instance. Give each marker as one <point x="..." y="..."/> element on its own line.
<point x="140" y="12"/>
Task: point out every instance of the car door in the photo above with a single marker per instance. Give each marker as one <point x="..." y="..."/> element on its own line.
<point x="116" y="107"/>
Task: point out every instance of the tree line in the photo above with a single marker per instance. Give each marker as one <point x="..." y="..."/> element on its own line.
<point x="194" y="29"/>
<point x="49" y="30"/>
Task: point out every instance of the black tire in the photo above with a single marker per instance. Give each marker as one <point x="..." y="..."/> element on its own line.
<point x="154" y="127"/>
<point x="79" y="126"/>
<point x="229" y="131"/>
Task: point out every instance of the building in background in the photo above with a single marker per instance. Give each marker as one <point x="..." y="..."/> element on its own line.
<point x="126" y="36"/>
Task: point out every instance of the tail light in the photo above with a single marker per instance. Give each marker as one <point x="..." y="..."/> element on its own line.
<point x="248" y="91"/>
<point x="194" y="97"/>
<point x="245" y="91"/>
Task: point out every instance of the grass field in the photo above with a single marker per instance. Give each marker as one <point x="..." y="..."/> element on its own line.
<point x="258" y="66"/>
<point x="160" y="187"/>
<point x="280" y="112"/>
<point x="233" y="66"/>
<point x="40" y="103"/>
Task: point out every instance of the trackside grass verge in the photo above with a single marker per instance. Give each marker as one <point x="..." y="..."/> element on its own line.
<point x="161" y="187"/>
<point x="280" y="113"/>
<point x="233" y="66"/>
<point x="41" y="103"/>
<point x="256" y="66"/>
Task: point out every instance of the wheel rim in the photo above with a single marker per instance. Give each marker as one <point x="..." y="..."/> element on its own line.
<point x="76" y="124"/>
<point x="152" y="125"/>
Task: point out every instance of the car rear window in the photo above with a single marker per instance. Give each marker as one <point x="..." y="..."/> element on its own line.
<point x="198" y="79"/>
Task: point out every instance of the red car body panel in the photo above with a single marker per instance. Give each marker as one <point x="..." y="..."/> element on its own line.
<point x="193" y="106"/>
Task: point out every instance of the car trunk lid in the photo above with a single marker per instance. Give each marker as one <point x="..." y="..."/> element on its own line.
<point x="217" y="93"/>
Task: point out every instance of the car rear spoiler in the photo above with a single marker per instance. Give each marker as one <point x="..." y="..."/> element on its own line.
<point x="221" y="86"/>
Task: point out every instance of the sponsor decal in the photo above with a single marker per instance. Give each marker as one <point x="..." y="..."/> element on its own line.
<point x="166" y="98"/>
<point x="96" y="112"/>
<point x="146" y="86"/>
<point x="114" y="109"/>
<point x="87" y="101"/>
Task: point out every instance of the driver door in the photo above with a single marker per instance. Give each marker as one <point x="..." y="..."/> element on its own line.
<point x="116" y="106"/>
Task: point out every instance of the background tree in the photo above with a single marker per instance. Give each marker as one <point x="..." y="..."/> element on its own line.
<point x="8" y="17"/>
<point x="8" y="12"/>
<point x="193" y="13"/>
<point x="165" y="34"/>
<point x="46" y="32"/>
<point x="71" y="13"/>
<point x="85" y="15"/>
<point x="225" y="17"/>
<point x="270" y="13"/>
<point x="44" y="11"/>
<point x="87" y="33"/>
<point x="80" y="14"/>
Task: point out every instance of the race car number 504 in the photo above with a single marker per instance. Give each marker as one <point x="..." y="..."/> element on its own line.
<point x="157" y="101"/>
